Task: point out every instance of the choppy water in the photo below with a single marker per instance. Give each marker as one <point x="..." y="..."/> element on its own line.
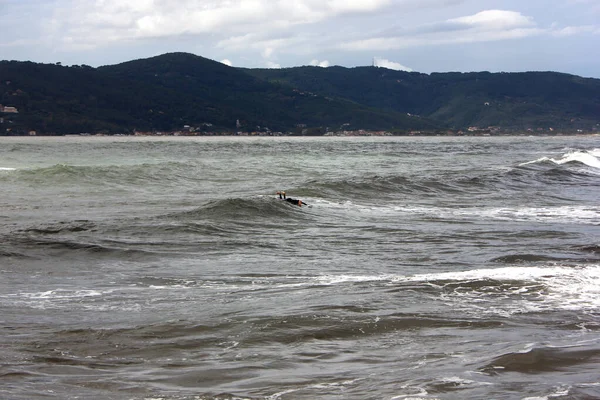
<point x="423" y="268"/>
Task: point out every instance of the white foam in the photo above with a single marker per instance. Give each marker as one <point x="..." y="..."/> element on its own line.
<point x="510" y="290"/>
<point x="589" y="158"/>
<point x="495" y="291"/>
<point x="560" y="214"/>
<point x="586" y="158"/>
<point x="557" y="214"/>
<point x="328" y="385"/>
<point x="540" y="288"/>
<point x="461" y="382"/>
<point x="53" y="298"/>
<point x="418" y="394"/>
<point x="564" y="288"/>
<point x="166" y="287"/>
<point x="558" y="392"/>
<point x="539" y="160"/>
<point x="7" y="169"/>
<point x="63" y="294"/>
<point x="327" y="280"/>
<point x="110" y="308"/>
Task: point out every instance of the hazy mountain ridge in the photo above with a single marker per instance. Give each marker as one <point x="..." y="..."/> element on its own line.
<point x="176" y="89"/>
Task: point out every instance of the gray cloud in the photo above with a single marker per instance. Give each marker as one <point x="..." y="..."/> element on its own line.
<point x="294" y="32"/>
<point x="484" y="26"/>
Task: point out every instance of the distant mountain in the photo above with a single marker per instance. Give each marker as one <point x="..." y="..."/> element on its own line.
<point x="510" y="100"/>
<point x="172" y="90"/>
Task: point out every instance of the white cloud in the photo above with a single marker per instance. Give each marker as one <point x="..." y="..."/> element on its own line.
<point x="494" y="20"/>
<point x="383" y="63"/>
<point x="273" y="65"/>
<point x="577" y="30"/>
<point x="317" y="63"/>
<point x="267" y="52"/>
<point x="485" y="26"/>
<point x="292" y="32"/>
<point x="227" y="62"/>
<point x="343" y="6"/>
<point x="268" y="48"/>
<point x="97" y="22"/>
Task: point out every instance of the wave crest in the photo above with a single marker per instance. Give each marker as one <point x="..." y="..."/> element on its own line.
<point x="241" y="210"/>
<point x="589" y="158"/>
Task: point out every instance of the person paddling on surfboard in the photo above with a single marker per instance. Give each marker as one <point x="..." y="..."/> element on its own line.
<point x="297" y="202"/>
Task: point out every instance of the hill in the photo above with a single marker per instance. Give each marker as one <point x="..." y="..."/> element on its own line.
<point x="172" y="90"/>
<point x="509" y="100"/>
<point x="169" y="91"/>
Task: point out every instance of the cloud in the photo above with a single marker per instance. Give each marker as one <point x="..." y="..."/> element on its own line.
<point x="317" y="63"/>
<point x="267" y="52"/>
<point x="485" y="26"/>
<point x="383" y="63"/>
<point x="273" y="65"/>
<point x="97" y="22"/>
<point x="577" y="30"/>
<point x="293" y="32"/>
<point x="494" y="20"/>
<point x="227" y="62"/>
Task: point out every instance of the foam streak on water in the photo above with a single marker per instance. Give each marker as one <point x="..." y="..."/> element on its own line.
<point x="422" y="268"/>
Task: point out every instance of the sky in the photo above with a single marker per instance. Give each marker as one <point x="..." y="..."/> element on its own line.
<point x="414" y="35"/>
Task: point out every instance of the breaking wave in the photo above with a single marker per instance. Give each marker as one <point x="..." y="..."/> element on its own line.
<point x="589" y="158"/>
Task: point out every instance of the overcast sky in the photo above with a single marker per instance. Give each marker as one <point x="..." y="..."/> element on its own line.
<point x="420" y="35"/>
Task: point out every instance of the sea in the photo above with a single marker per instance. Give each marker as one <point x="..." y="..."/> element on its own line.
<point x="167" y="268"/>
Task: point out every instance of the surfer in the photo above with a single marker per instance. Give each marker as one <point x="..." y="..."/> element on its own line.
<point x="297" y="202"/>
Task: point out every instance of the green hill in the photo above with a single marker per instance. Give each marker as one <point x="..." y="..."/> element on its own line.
<point x="166" y="92"/>
<point x="510" y="100"/>
<point x="170" y="91"/>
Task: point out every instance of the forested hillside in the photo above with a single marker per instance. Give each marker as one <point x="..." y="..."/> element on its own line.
<point x="173" y="90"/>
<point x="510" y="100"/>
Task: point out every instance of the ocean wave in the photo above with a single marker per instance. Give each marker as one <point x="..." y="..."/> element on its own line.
<point x="62" y="227"/>
<point x="242" y="210"/>
<point x="543" y="359"/>
<point x="549" y="214"/>
<point x="12" y="254"/>
<point x="64" y="294"/>
<point x="565" y="288"/>
<point x="53" y="299"/>
<point x="500" y="291"/>
<point x="157" y="282"/>
<point x="528" y="258"/>
<point x="589" y="158"/>
<point x="594" y="248"/>
<point x="473" y="294"/>
<point x="158" y="332"/>
<point x="452" y="384"/>
<point x="164" y="174"/>
<point x="290" y="329"/>
<point x="482" y="292"/>
<point x="508" y="182"/>
<point x="389" y="187"/>
<point x="42" y="243"/>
